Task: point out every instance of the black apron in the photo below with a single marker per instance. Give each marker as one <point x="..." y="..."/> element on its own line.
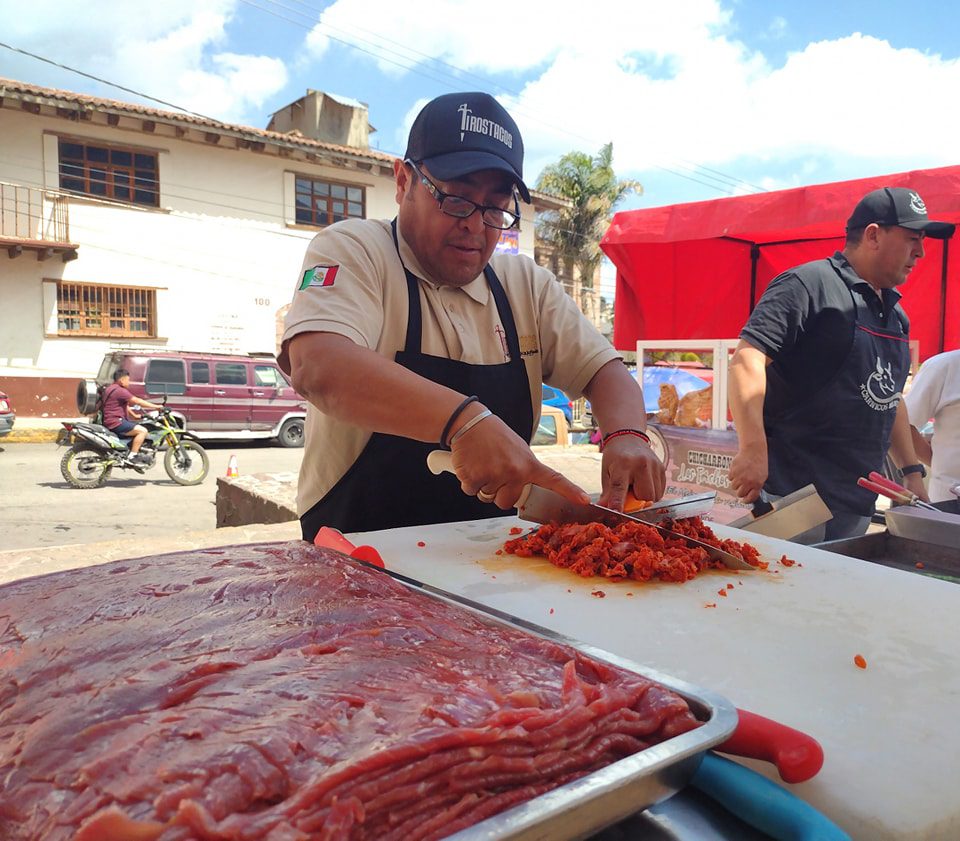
<point x="389" y="485"/>
<point x="842" y="431"/>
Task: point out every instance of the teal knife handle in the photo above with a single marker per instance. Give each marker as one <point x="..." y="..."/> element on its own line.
<point x="762" y="803"/>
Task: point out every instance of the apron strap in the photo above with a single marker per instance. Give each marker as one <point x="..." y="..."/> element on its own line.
<point x="506" y="313"/>
<point x="413" y="340"/>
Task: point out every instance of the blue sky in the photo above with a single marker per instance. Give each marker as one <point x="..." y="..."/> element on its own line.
<point x="739" y="95"/>
<point x="701" y="98"/>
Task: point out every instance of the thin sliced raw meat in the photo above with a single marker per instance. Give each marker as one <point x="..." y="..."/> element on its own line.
<point x="285" y="692"/>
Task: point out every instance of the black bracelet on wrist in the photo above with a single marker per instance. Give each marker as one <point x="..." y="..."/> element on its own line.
<point x="453" y="418"/>
<point x="913" y="468"/>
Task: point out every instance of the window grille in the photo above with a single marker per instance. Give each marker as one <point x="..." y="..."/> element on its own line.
<point x="89" y="309"/>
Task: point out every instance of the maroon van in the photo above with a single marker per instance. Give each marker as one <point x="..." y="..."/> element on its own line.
<point x="219" y="396"/>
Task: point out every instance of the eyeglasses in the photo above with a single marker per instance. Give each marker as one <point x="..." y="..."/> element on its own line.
<point x="461" y="208"/>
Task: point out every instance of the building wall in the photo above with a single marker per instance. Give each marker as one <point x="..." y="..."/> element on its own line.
<point x="222" y="250"/>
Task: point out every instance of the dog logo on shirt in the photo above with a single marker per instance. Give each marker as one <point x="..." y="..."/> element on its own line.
<point x="880" y="391"/>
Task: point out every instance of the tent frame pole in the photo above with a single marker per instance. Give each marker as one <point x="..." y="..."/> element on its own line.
<point x="943" y="295"/>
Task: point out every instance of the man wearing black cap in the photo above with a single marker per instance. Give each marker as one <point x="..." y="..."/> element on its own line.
<point x="413" y="335"/>
<point x="817" y="378"/>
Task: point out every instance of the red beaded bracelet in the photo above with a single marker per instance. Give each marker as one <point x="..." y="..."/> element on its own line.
<point x="639" y="433"/>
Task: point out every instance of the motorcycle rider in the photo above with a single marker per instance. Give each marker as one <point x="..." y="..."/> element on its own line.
<point x="117" y="398"/>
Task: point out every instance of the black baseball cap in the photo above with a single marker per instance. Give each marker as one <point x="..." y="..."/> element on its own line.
<point x="897" y="206"/>
<point x="459" y="133"/>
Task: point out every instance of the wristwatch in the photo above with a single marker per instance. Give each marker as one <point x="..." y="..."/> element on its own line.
<point x="913" y="468"/>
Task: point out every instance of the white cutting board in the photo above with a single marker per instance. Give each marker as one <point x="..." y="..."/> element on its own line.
<point x="781" y="644"/>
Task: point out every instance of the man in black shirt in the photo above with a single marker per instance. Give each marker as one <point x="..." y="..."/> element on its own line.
<point x="816" y="380"/>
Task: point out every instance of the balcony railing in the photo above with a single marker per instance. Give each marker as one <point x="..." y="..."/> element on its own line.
<point x="30" y="218"/>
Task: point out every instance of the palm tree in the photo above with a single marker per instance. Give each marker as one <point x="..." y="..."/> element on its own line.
<point x="573" y="233"/>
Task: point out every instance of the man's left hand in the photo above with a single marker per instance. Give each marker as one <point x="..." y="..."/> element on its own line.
<point x="914" y="482"/>
<point x="630" y="464"/>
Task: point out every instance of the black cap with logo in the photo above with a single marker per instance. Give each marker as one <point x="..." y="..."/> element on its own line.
<point x="459" y="133"/>
<point x="897" y="206"/>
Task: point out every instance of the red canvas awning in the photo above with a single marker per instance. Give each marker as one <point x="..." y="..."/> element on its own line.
<point x="694" y="271"/>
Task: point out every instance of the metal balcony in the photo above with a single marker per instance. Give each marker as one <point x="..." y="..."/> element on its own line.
<point x="34" y="221"/>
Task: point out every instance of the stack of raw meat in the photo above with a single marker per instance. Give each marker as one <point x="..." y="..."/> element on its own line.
<point x="283" y="692"/>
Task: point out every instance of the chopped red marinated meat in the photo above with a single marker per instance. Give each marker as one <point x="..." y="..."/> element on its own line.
<point x="630" y="550"/>
<point x="283" y="691"/>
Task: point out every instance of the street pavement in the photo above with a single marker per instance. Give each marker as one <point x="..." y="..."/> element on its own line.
<point x="39" y="509"/>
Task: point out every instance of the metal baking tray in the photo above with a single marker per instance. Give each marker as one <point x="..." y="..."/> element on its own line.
<point x="886" y="549"/>
<point x="941" y="527"/>
<point x="586" y="806"/>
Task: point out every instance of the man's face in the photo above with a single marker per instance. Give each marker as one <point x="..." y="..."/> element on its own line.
<point x="453" y="251"/>
<point x="124" y="381"/>
<point x="898" y="249"/>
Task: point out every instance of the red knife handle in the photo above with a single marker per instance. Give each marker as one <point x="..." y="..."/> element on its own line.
<point x="330" y="538"/>
<point x="883" y="490"/>
<point x="880" y="479"/>
<point x="798" y="757"/>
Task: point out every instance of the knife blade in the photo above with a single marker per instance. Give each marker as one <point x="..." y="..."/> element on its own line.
<point x="789" y="516"/>
<point x="676" y="509"/>
<point x="540" y="505"/>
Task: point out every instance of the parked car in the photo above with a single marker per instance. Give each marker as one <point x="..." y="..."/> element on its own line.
<point x="7" y="415"/>
<point x="552" y="429"/>
<point x="556" y="398"/>
<point x="218" y="396"/>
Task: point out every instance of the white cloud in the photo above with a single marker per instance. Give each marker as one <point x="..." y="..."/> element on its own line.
<point x="777" y="28"/>
<point x="525" y="36"/>
<point x="167" y="50"/>
<point x="669" y="83"/>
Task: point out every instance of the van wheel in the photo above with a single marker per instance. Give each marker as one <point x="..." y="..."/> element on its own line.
<point x="291" y="433"/>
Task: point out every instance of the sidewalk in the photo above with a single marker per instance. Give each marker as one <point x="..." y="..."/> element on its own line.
<point x="28" y="430"/>
<point x="271" y="497"/>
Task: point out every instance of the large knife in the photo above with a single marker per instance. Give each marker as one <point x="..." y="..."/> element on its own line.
<point x="788" y="516"/>
<point x="674" y="509"/>
<point x="540" y="505"/>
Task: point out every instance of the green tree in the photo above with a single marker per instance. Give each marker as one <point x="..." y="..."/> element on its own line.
<point x="574" y="232"/>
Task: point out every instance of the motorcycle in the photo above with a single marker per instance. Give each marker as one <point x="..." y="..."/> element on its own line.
<point x="95" y="451"/>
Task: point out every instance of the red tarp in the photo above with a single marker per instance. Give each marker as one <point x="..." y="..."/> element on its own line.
<point x="685" y="271"/>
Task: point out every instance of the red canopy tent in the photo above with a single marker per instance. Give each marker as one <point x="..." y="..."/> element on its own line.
<point x="695" y="271"/>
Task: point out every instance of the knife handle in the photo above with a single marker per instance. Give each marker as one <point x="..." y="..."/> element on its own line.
<point x="883" y="490"/>
<point x="884" y="482"/>
<point x="762" y="803"/>
<point x="331" y="538"/>
<point x="762" y="504"/>
<point x="441" y="461"/>
<point x="798" y="757"/>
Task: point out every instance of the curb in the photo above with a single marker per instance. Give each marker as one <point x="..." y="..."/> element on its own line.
<point x="30" y="436"/>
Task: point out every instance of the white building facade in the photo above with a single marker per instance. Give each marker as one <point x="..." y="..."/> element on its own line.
<point x="123" y="225"/>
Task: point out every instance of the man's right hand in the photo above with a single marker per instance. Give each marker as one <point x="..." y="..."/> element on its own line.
<point x="748" y="472"/>
<point x="491" y="460"/>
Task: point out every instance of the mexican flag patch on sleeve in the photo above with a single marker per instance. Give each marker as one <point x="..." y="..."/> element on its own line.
<point x="318" y="276"/>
